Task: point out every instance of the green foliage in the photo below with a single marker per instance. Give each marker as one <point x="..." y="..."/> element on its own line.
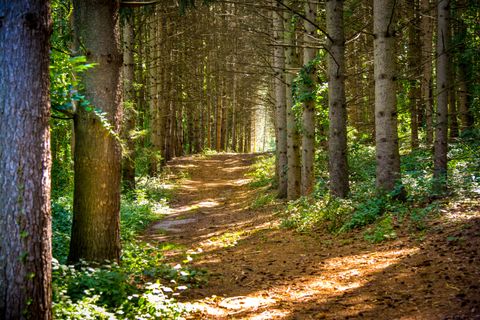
<point x="124" y="291"/>
<point x="263" y="200"/>
<point x="146" y="204"/>
<point x="307" y="78"/>
<point x="382" y="230"/>
<point x="61" y="227"/>
<point x="366" y="207"/>
<point x="262" y="173"/>
<point x="142" y="206"/>
<point x="464" y="164"/>
<point x="209" y="152"/>
<point x="306" y="214"/>
<point x="366" y="213"/>
<point x="64" y="86"/>
<point x="117" y="291"/>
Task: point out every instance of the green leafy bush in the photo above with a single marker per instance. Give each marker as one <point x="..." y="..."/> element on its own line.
<point x="382" y="230"/>
<point x="61" y="227"/>
<point x="365" y="206"/>
<point x="110" y="292"/>
<point x="307" y="214"/>
<point x="142" y="286"/>
<point x="263" y="200"/>
<point x="262" y="172"/>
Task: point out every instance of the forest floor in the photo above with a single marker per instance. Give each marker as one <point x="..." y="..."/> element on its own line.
<point x="258" y="270"/>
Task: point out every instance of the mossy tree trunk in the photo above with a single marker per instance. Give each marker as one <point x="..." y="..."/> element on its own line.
<point x="308" y="115"/>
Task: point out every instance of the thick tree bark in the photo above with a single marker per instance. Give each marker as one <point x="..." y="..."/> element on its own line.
<point x="308" y="116"/>
<point x="128" y="167"/>
<point x="96" y="208"/>
<point x="386" y="137"/>
<point x="337" y="141"/>
<point x="25" y="221"/>
<point x="280" y="102"/>
<point x="441" y="126"/>
<point x="293" y="136"/>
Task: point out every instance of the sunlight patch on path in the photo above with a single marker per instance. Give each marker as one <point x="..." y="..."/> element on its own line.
<point x="173" y="225"/>
<point x="244" y="302"/>
<point x="334" y="278"/>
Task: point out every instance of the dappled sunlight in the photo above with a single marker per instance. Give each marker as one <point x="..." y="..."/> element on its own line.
<point x="258" y="270"/>
<point x="242" y="182"/>
<point x="185" y="166"/>
<point x="234" y="169"/>
<point x="334" y="279"/>
<point x="167" y="186"/>
<point x="207" y="204"/>
<point x="221" y="239"/>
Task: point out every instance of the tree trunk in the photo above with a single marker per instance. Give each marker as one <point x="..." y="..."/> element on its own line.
<point x="386" y="137"/>
<point x="464" y="112"/>
<point x="218" y="112"/>
<point x="128" y="167"/>
<point x="426" y="25"/>
<point x="293" y="137"/>
<point x="153" y="98"/>
<point x="223" y="139"/>
<point x="280" y="102"/>
<point x="25" y="221"/>
<point x="413" y="56"/>
<point x="337" y="141"/>
<point x="452" y="105"/>
<point x="234" y="106"/>
<point x="163" y="94"/>
<point x="308" y="116"/>
<point x="441" y="126"/>
<point x="96" y="208"/>
<point x="466" y="120"/>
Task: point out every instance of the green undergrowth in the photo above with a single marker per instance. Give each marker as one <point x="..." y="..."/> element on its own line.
<point x="381" y="217"/>
<point x="262" y="177"/>
<point x="262" y="172"/>
<point x="142" y="286"/>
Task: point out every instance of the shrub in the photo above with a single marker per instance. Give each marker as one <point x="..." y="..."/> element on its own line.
<point x="262" y="172"/>
<point x="142" y="286"/>
<point x="365" y="207"/>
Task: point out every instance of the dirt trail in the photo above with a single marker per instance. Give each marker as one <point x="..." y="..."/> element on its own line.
<point x="260" y="271"/>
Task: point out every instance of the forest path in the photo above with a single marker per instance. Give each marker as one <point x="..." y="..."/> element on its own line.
<point x="261" y="271"/>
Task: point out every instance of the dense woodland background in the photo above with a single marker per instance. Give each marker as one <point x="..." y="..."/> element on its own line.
<point x="367" y="111"/>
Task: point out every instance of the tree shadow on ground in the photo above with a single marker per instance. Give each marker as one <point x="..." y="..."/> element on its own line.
<point x="260" y="271"/>
<point x="437" y="278"/>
